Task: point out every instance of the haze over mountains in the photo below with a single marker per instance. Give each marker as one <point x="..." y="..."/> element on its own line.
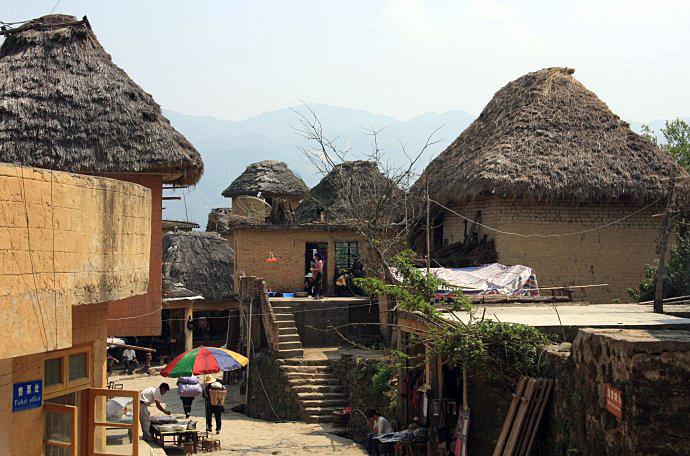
<point x="227" y="146"/>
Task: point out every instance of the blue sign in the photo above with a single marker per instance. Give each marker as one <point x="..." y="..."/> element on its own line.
<point x="27" y="395"/>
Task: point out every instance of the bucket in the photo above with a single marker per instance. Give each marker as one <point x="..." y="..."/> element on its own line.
<point x="288" y="295"/>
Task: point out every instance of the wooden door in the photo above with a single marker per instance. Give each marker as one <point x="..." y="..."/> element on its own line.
<point x="113" y="417"/>
<point x="60" y="431"/>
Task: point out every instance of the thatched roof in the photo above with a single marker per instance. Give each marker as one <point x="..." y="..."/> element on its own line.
<point x="361" y="179"/>
<point x="546" y="137"/>
<point x="201" y="262"/>
<point x="270" y="177"/>
<point x="221" y="220"/>
<point x="64" y="105"/>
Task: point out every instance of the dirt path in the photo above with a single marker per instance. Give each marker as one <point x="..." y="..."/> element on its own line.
<point x="242" y="435"/>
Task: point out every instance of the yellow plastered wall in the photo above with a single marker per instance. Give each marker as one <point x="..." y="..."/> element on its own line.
<point x="65" y="240"/>
<point x="252" y="247"/>
<point x="22" y="432"/>
<point x="615" y="255"/>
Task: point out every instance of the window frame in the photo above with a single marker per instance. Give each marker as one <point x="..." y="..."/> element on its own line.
<point x="69" y="386"/>
<point x="350" y="256"/>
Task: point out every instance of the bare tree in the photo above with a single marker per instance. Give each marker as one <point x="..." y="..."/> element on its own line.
<point x="369" y="195"/>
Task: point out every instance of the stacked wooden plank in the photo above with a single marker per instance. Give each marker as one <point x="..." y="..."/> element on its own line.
<point x="524" y="415"/>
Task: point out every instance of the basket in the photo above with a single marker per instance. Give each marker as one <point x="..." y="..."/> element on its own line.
<point x="218" y="396"/>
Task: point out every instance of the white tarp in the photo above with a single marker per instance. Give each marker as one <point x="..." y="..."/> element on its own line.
<point x="492" y="279"/>
<point x="489" y="279"/>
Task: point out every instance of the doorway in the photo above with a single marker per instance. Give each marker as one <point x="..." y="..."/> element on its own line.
<point x="310" y="249"/>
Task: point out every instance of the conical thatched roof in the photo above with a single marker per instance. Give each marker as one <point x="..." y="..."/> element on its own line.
<point x="331" y="197"/>
<point x="546" y="137"/>
<point x="201" y="262"/>
<point x="270" y="177"/>
<point x="65" y="105"/>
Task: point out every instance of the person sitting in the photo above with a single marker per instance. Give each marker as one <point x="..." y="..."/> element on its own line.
<point x="378" y="425"/>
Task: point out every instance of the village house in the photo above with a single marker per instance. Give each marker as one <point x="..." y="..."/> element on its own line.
<point x="82" y="254"/>
<point x="551" y="179"/>
<point x="198" y="293"/>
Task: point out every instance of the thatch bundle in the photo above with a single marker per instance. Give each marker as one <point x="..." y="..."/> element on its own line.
<point x="64" y="105"/>
<point x="222" y="220"/>
<point x="201" y="262"/>
<point x="351" y="191"/>
<point x="546" y="137"/>
<point x="270" y="177"/>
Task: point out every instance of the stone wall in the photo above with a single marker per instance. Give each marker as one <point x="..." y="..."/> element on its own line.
<point x="652" y="370"/>
<point x="615" y="255"/>
<point x="357" y="377"/>
<point x="253" y="245"/>
<point x="270" y="391"/>
<point x="66" y="240"/>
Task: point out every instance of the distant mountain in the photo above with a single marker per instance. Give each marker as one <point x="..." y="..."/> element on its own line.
<point x="227" y="147"/>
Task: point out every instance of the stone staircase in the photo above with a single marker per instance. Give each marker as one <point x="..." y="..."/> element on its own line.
<point x="289" y="343"/>
<point x="318" y="391"/>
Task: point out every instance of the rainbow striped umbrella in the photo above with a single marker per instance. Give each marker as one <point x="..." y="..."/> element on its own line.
<point x="204" y="360"/>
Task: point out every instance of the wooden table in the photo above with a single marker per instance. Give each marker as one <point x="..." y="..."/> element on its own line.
<point x="176" y="437"/>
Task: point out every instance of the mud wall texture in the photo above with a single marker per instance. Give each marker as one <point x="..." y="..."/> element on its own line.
<point x="270" y="395"/>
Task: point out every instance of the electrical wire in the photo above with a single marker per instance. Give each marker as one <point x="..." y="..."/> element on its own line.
<point x="542" y="236"/>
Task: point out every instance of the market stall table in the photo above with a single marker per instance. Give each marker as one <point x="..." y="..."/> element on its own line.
<point x="176" y="437"/>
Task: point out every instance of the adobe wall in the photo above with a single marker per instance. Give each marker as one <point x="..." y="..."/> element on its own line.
<point x="67" y="240"/>
<point x="146" y="307"/>
<point x="615" y="255"/>
<point x="253" y="246"/>
<point x="89" y="327"/>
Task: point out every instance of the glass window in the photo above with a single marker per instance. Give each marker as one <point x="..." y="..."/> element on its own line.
<point x="58" y="427"/>
<point x="77" y="366"/>
<point x="53" y="372"/>
<point x="346" y="253"/>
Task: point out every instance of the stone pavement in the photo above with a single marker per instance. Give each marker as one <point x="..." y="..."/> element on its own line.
<point x="241" y="435"/>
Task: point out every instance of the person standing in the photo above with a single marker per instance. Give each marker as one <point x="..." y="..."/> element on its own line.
<point x="318" y="273"/>
<point x="130" y="358"/>
<point x="188" y="388"/>
<point x="147" y="398"/>
<point x="214" y="396"/>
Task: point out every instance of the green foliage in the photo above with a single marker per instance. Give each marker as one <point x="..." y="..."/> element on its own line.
<point x="676" y="276"/>
<point x="416" y="289"/>
<point x="503" y="351"/>
<point x="677" y="136"/>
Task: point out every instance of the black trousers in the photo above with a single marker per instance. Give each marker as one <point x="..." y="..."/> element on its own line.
<point x="215" y="410"/>
<point x="187" y="404"/>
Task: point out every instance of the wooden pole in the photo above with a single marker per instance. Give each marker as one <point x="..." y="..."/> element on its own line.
<point x="664" y="232"/>
<point x="249" y="350"/>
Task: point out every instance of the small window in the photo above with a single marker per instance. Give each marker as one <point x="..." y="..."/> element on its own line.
<point x="346" y="255"/>
<point x="53" y="372"/>
<point x="77" y="366"/>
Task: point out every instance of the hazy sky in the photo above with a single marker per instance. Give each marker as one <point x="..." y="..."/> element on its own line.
<point x="234" y="59"/>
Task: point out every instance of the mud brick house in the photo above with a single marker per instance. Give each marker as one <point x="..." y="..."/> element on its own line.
<point x="321" y="222"/>
<point x="548" y="160"/>
<point x="198" y="282"/>
<point x="81" y="252"/>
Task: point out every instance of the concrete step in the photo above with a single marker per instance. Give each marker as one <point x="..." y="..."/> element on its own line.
<point x="337" y="403"/>
<point x="289" y="345"/>
<point x="308" y="375"/>
<point x="289" y="337"/>
<point x="282" y="309"/>
<point x="286" y="324"/>
<point x="317" y="388"/>
<point x="311" y="396"/>
<point x="291" y="353"/>
<point x="284" y="317"/>
<point x="320" y="411"/>
<point x="304" y="369"/>
<point x="314" y="381"/>
<point x="306" y="362"/>
<point x="288" y="331"/>
<point x="318" y="419"/>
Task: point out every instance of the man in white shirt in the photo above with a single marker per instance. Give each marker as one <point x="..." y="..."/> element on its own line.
<point x="147" y="398"/>
<point x="130" y="358"/>
<point x="378" y="425"/>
